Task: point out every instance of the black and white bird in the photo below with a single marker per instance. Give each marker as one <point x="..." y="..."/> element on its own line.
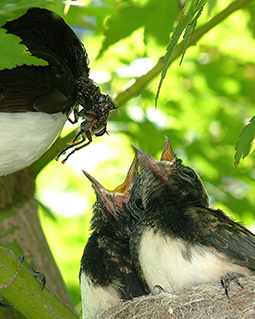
<point x="36" y="101"/>
<point x="107" y="275"/>
<point x="179" y="241"/>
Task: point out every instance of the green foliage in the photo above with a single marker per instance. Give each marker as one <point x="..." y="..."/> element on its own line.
<point x="129" y="16"/>
<point x="192" y="11"/>
<point x="211" y="4"/>
<point x="11" y="9"/>
<point x="243" y="146"/>
<point x="12" y="52"/>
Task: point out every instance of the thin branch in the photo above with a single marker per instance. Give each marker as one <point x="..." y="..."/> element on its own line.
<point x="142" y="81"/>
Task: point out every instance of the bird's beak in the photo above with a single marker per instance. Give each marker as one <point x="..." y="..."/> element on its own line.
<point x="122" y="193"/>
<point x="168" y="153"/>
<point x="105" y="196"/>
<point x="126" y="185"/>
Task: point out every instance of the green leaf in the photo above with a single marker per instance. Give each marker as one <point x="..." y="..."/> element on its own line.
<point x="250" y="8"/>
<point x="122" y="24"/>
<point x="14" y="8"/>
<point x="211" y="5"/>
<point x="193" y="10"/>
<point x="190" y="28"/>
<point x="13" y="53"/>
<point x="175" y="37"/>
<point x="243" y="146"/>
<point x="156" y="17"/>
<point x="161" y="16"/>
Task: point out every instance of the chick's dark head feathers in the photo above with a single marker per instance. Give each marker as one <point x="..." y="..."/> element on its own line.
<point x="133" y="207"/>
<point x="107" y="209"/>
<point x="168" y="179"/>
<point x="118" y="210"/>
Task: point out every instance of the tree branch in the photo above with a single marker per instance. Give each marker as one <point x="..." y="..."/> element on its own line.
<point x="21" y="232"/>
<point x="142" y="81"/>
<point x="203" y="301"/>
<point x="22" y="289"/>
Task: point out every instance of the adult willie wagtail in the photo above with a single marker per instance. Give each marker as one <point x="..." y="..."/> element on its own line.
<point x="179" y="241"/>
<point x="36" y="101"/>
<point x="107" y="275"/>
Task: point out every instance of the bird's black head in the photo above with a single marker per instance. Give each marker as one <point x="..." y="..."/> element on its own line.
<point x="105" y="210"/>
<point x="168" y="180"/>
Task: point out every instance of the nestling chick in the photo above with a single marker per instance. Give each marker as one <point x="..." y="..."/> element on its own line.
<point x="107" y="275"/>
<point x="179" y="241"/>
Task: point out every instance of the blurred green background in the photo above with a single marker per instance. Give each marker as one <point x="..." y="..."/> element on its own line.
<point x="202" y="108"/>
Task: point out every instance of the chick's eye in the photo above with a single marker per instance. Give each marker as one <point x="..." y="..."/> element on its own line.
<point x="189" y="173"/>
<point x="139" y="204"/>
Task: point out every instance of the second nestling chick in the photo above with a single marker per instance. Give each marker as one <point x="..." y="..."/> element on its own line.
<point x="179" y="241"/>
<point x="107" y="275"/>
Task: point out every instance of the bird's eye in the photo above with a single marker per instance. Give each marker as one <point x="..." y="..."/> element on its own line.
<point x="189" y="172"/>
<point x="139" y="204"/>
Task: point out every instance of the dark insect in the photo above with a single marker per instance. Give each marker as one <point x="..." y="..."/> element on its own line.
<point x="95" y="117"/>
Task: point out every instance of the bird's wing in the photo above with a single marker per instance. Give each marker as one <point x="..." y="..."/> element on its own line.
<point x="231" y="238"/>
<point x="108" y="262"/>
<point x="36" y="88"/>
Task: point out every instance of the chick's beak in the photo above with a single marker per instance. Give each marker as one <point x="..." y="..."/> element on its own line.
<point x="122" y="193"/>
<point x="168" y="153"/>
<point x="126" y="185"/>
<point x="105" y="196"/>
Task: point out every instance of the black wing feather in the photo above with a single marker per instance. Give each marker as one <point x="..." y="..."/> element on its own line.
<point x="227" y="236"/>
<point x="35" y="88"/>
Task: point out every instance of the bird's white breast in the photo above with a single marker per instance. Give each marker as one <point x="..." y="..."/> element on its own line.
<point x="171" y="264"/>
<point x="24" y="137"/>
<point x="96" y="299"/>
